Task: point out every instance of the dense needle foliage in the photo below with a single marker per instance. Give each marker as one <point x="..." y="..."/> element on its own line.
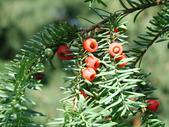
<point x="113" y="98"/>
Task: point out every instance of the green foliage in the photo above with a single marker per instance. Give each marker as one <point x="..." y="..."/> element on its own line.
<point x="98" y="1"/>
<point x="15" y="106"/>
<point x="110" y="96"/>
<point x="156" y="32"/>
<point x="111" y="93"/>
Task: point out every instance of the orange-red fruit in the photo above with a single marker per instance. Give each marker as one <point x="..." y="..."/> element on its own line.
<point x="64" y="53"/>
<point x="153" y="105"/>
<point x="121" y="57"/>
<point x="115" y="49"/>
<point x="116" y="30"/>
<point x="93" y="62"/>
<point x="83" y="93"/>
<point x="90" y="45"/>
<point x="89" y="74"/>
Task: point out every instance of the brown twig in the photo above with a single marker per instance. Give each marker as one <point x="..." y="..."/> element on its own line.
<point x="125" y="12"/>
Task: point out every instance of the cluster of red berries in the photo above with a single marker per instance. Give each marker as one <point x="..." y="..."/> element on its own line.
<point x="92" y="63"/>
<point x="116" y="51"/>
<point x="91" y="45"/>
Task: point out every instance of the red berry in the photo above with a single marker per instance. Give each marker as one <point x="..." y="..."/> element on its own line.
<point x="116" y="30"/>
<point x="90" y="45"/>
<point x="93" y="62"/>
<point x="89" y="74"/>
<point x="64" y="53"/>
<point x="83" y="93"/>
<point x="39" y="76"/>
<point x="153" y="105"/>
<point x="121" y="57"/>
<point x="115" y="49"/>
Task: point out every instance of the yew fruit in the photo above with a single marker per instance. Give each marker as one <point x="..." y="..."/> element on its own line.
<point x="90" y="45"/>
<point x="64" y="53"/>
<point x="93" y="62"/>
<point x="115" y="49"/>
<point x="153" y="105"/>
<point x="89" y="74"/>
<point x="121" y="57"/>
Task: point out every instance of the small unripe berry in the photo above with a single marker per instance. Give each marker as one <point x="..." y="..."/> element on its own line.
<point x="93" y="62"/>
<point x="90" y="45"/>
<point x="153" y="105"/>
<point x="64" y="53"/>
<point x="115" y="49"/>
<point x="48" y="52"/>
<point x="89" y="74"/>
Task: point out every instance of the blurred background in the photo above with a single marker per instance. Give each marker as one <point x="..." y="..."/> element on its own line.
<point x="20" y="19"/>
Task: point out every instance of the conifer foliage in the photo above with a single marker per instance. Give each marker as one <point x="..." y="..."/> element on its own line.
<point x="106" y="87"/>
